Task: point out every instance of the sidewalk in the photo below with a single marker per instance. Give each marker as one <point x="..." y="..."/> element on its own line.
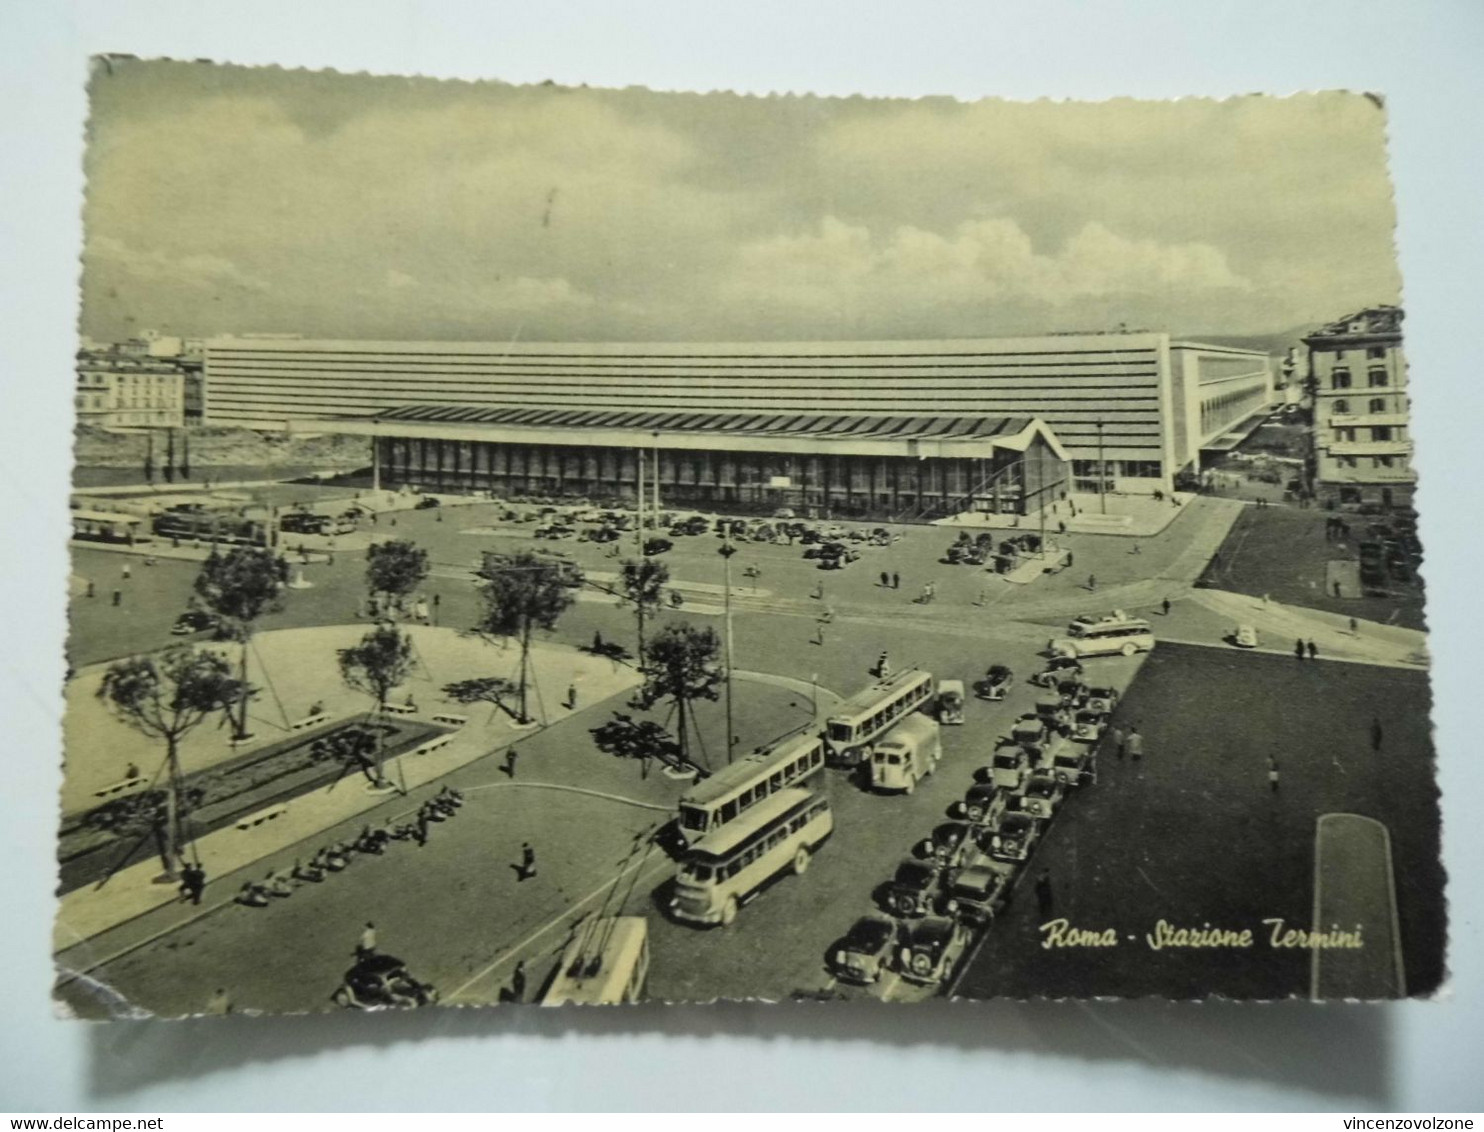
<point x="1279" y="626"/>
<point x="1131" y="516"/>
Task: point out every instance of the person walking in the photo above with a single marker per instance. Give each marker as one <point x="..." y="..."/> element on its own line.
<point x="92" y="589"/>
<point x="128" y="571"/>
<point x="1119" y="742"/>
<point x="511" y="754"/>
<point x="1376" y="734"/>
<point x="518" y="982"/>
<point x="437" y="600"/>
<point x="366" y="945"/>
<point x="1045" y="895"/>
<point x="1061" y="526"/>
<point x="1298" y="648"/>
<point x="192" y="883"/>
<point x="527" y="861"/>
<point x="1092" y="583"/>
<point x="1272" y="774"/>
<point x="1354" y="627"/>
<point x="572" y="696"/>
<point x="896" y="580"/>
<point x="1165" y="606"/>
<point x="1135" y="743"/>
<point x="118" y="598"/>
<point x="1313" y="651"/>
<point x="885" y="580"/>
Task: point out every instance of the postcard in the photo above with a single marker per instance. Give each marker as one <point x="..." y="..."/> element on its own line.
<point x="544" y="545"/>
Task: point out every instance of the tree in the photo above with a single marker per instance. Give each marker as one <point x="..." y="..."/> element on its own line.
<point x="394" y="569"/>
<point x="524" y="592"/>
<point x="165" y="697"/>
<point x="627" y="738"/>
<point x="641" y="584"/>
<point x="683" y="665"/>
<point x="483" y="690"/>
<point x="381" y="661"/>
<point x="239" y="586"/>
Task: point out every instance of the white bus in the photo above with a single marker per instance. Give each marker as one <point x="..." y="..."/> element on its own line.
<point x="1126" y="636"/>
<point x="726" y="867"/>
<point x="872" y="712"/>
<point x="606" y="964"/>
<point x="722" y="797"/>
<point x="908" y="752"/>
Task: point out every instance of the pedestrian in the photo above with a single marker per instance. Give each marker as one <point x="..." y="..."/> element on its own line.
<point x="1119" y="741"/>
<point x="366" y="945"/>
<point x="1135" y="743"/>
<point x="518" y="982"/>
<point x="572" y="696"/>
<point x="527" y="861"/>
<point x="192" y="883"/>
<point x="885" y="581"/>
<point x="1092" y="583"/>
<point x="220" y="1003"/>
<point x="1354" y="627"/>
<point x="511" y="754"/>
<point x="118" y="598"/>
<point x="1165" y="605"/>
<point x="91" y="588"/>
<point x="1069" y="560"/>
<point x="1298" y="648"/>
<point x="1337" y="588"/>
<point x="421" y="832"/>
<point x="1313" y="651"/>
<point x="1061" y="526"/>
<point x="896" y="580"/>
<point x="1273" y="774"/>
<point x="131" y="772"/>
<point x="1376" y="734"/>
<point x="128" y="571"/>
<point x="1045" y="895"/>
<point x="1137" y="549"/>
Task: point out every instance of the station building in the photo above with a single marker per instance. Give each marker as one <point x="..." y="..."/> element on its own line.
<point x="905" y="429"/>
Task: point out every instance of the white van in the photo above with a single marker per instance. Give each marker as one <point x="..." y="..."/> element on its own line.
<point x="1105" y="638"/>
<point x="908" y="752"/>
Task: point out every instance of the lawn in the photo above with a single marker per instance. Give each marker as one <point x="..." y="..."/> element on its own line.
<point x="1193" y="834"/>
<point x="1281" y="551"/>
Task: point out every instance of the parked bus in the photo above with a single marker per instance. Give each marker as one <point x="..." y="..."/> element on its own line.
<point x="726" y="867"/>
<point x="606" y="964"/>
<point x="1126" y="636"/>
<point x="908" y="752"/>
<point x="872" y="712"/>
<point x="722" y="797"/>
<point x="210" y="526"/>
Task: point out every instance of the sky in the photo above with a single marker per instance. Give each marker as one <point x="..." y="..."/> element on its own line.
<point x="228" y="200"/>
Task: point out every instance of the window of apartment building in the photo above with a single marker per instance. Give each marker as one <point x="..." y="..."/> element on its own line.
<point x="1344" y="435"/>
<point x="1377" y="378"/>
<point x="1375" y="351"/>
<point x="1381" y="462"/>
<point x="1378" y="404"/>
<point x="1342" y="406"/>
<point x="1347" y="461"/>
<point x="1381" y="432"/>
<point x="1142" y="469"/>
<point x="1340" y="379"/>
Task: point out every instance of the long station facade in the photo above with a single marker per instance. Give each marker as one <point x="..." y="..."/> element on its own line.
<point x="902" y="429"/>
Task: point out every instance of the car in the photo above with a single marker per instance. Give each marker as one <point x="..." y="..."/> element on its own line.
<point x="948" y="845"/>
<point x="784" y="513"/>
<point x="932" y="949"/>
<point x="1029" y="728"/>
<point x="976" y="893"/>
<point x="427" y="503"/>
<point x="1013" y="837"/>
<point x="1101" y="698"/>
<point x="865" y="952"/>
<point x="1088" y="725"/>
<point x="193" y="621"/>
<point x="654" y="546"/>
<point x="913" y="889"/>
<point x="1057" y="669"/>
<point x="1010" y="766"/>
<point x="982" y="803"/>
<point x="950" y="702"/>
<point x="1073" y="691"/>
<point x="1244" y="637"/>
<point x="1069" y="763"/>
<point x="1041" y="794"/>
<point x="995" y="683"/>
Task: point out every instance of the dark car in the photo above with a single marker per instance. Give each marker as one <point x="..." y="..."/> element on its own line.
<point x="996" y="682"/>
<point x="865" y="952"/>
<point x="1014" y="836"/>
<point x="428" y="502"/>
<point x="653" y="546"/>
<point x="932" y="949"/>
<point x="1101" y="698"/>
<point x="912" y="891"/>
<point x="948" y="845"/>
<point x="1041" y="794"/>
<point x="193" y="621"/>
<point x="982" y="802"/>
<point x="1029" y="728"/>
<point x="977" y="893"/>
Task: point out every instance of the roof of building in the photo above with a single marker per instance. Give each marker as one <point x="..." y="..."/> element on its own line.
<point x="1366" y="323"/>
<point x="853" y="425"/>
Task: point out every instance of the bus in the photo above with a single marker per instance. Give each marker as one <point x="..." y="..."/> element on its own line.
<point x="726" y="867"/>
<point x="1104" y="638"/>
<point x="210" y="526"/>
<point x="908" y="752"/>
<point x="606" y="964"/>
<point x="871" y="713"/>
<point x="722" y="797"/>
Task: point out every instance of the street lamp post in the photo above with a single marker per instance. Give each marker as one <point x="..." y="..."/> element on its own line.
<point x="726" y="551"/>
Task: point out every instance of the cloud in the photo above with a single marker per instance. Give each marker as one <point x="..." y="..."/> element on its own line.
<point x="200" y="271"/>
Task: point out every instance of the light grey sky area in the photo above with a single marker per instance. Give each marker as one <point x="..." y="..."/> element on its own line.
<point x="228" y="200"/>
